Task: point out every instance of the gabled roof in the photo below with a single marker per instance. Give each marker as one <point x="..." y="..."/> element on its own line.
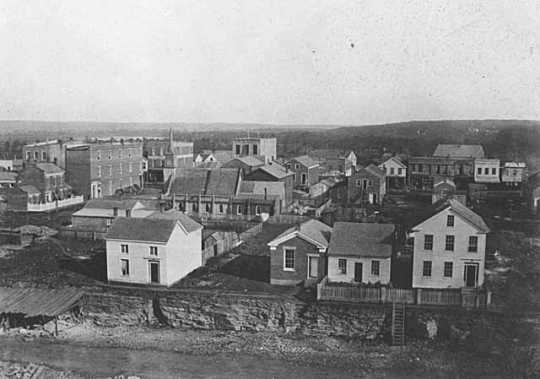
<point x="223" y="156"/>
<point x="141" y="229"/>
<point x="459" y="151"/>
<point x="248" y="160"/>
<point x="29" y="189"/>
<point x="276" y="170"/>
<point x="194" y="181"/>
<point x="187" y="223"/>
<point x="444" y="181"/>
<point x="396" y="160"/>
<point x="49" y="168"/>
<point x="373" y="170"/>
<point x="258" y="188"/>
<point x="312" y="231"/>
<point x="361" y="240"/>
<point x="306" y="161"/>
<point x="459" y="209"/>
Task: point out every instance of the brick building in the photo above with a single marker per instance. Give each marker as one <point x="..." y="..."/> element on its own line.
<point x="164" y="154"/>
<point x="100" y="168"/>
<point x="47" y="151"/>
<point x="298" y="255"/>
<point x="265" y="148"/>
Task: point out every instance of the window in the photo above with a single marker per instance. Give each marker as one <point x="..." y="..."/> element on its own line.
<point x="36" y="155"/>
<point x="208" y="207"/>
<point x="426" y="268"/>
<point x="131" y="167"/>
<point x="195" y="207"/>
<point x="375" y="267"/>
<point x="428" y="242"/>
<point x="365" y="183"/>
<point x="28" y="155"/>
<point x="257" y="210"/>
<point x="473" y="244"/>
<point x="493" y="171"/>
<point x="448" y="268"/>
<point x="479" y="170"/>
<point x="109" y="222"/>
<point x="255" y="150"/>
<point x="220" y="208"/>
<point x="153" y="250"/>
<point x="237" y="149"/>
<point x="399" y="171"/>
<point x="342" y="266"/>
<point x="110" y="154"/>
<point x="125" y="267"/>
<point x="391" y="171"/>
<point x="450" y="220"/>
<point x="288" y="259"/>
<point x="449" y="243"/>
<point x="99" y="171"/>
<point x="98" y="156"/>
<point x="438" y="169"/>
<point x="239" y="210"/>
<point x="486" y="171"/>
<point x="44" y="156"/>
<point x="297" y="166"/>
<point x="124" y="248"/>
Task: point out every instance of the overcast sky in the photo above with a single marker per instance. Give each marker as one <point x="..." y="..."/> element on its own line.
<point x="294" y="62"/>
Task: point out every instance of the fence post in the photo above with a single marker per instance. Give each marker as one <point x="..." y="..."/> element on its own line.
<point x="418" y="296"/>
<point x="382" y="295"/>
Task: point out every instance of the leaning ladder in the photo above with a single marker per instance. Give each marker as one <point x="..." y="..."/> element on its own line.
<point x="398" y="324"/>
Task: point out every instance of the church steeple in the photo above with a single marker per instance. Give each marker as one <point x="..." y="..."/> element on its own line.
<point x="171" y="139"/>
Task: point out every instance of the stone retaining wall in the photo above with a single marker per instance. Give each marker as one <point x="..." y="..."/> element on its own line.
<point x="236" y="311"/>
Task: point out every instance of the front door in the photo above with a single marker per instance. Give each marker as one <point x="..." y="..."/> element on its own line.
<point x="313" y="267"/>
<point x="358" y="272"/>
<point x="471" y="275"/>
<point x="154" y="272"/>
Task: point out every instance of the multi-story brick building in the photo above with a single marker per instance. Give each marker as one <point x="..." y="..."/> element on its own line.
<point x="47" y="151"/>
<point x="100" y="168"/>
<point x="164" y="155"/>
<point x="266" y="148"/>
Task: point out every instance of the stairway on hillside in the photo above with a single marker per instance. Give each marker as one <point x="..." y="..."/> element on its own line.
<point x="398" y="324"/>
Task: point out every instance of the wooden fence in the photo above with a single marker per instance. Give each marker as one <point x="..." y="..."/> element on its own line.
<point x="385" y="295"/>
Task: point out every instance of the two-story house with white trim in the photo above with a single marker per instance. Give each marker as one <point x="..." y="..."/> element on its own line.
<point x="449" y="248"/>
<point x="157" y="251"/>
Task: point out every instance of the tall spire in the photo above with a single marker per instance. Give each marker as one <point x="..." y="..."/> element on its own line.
<point x="171" y="139"/>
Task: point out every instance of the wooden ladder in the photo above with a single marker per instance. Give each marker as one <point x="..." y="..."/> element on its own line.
<point x="398" y="324"/>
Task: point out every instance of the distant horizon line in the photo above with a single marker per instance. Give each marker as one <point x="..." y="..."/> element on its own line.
<point x="321" y="125"/>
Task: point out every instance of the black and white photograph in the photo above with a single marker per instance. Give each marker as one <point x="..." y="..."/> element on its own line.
<point x="269" y="189"/>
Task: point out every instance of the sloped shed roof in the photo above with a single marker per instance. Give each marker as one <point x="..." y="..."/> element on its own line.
<point x="34" y="302"/>
<point x="361" y="240"/>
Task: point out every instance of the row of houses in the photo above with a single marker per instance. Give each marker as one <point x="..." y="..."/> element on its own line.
<point x="448" y="244"/>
